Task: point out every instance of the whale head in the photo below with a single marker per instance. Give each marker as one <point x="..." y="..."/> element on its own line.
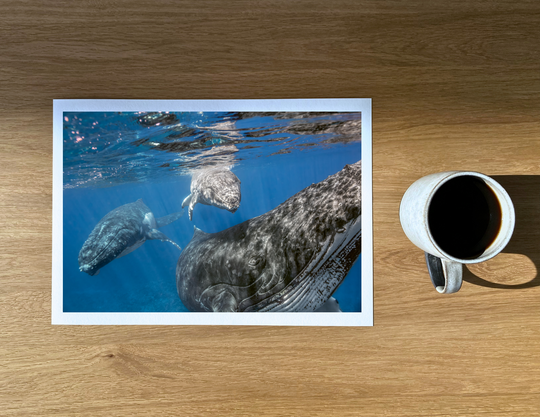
<point x="217" y="187"/>
<point x="230" y="199"/>
<point x="100" y="248"/>
<point x="225" y="190"/>
<point x="117" y="231"/>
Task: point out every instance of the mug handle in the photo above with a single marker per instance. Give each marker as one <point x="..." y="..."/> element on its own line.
<point x="446" y="276"/>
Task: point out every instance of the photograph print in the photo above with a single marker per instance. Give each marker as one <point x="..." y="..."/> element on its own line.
<point x="212" y="212"/>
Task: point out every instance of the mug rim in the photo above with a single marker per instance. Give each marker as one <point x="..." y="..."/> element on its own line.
<point x="498" y="244"/>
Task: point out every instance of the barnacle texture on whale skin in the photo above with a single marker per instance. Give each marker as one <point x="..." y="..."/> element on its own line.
<point x="291" y="258"/>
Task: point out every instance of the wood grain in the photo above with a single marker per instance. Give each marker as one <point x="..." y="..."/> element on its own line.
<point x="455" y="85"/>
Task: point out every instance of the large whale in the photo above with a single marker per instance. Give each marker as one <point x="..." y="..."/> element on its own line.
<point x="217" y="187"/>
<point x="291" y="258"/>
<point x="120" y="232"/>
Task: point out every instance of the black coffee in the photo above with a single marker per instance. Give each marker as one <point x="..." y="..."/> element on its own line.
<point x="464" y="217"/>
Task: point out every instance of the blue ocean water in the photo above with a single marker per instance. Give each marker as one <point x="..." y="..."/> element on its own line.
<point x="111" y="159"/>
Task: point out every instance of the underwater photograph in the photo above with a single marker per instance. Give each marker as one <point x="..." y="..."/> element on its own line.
<point x="211" y="212"/>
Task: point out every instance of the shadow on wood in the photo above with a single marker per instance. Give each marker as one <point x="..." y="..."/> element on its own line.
<point x="524" y="190"/>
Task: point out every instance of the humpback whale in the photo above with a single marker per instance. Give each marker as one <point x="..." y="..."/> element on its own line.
<point x="217" y="187"/>
<point x="120" y="232"/>
<point x="291" y="258"/>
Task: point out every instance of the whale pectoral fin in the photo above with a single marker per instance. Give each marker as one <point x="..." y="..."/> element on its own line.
<point x="165" y="220"/>
<point x="186" y="200"/>
<point x="154" y="234"/>
<point x="192" y="203"/>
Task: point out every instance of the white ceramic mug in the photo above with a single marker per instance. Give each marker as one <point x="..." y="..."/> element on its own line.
<point x="445" y="268"/>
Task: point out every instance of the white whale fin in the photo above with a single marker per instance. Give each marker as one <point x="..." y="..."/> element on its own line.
<point x="186" y="200"/>
<point x="190" y="200"/>
<point x="192" y="203"/>
<point x="157" y="235"/>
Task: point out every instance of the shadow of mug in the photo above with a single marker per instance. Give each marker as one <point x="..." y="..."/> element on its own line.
<point x="524" y="190"/>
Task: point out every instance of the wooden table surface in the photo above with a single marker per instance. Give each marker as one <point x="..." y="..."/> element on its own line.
<point x="455" y="86"/>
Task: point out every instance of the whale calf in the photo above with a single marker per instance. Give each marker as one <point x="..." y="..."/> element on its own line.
<point x="120" y="232"/>
<point x="291" y="258"/>
<point x="217" y="187"/>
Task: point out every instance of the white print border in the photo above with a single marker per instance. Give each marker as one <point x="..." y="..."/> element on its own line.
<point x="364" y="318"/>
